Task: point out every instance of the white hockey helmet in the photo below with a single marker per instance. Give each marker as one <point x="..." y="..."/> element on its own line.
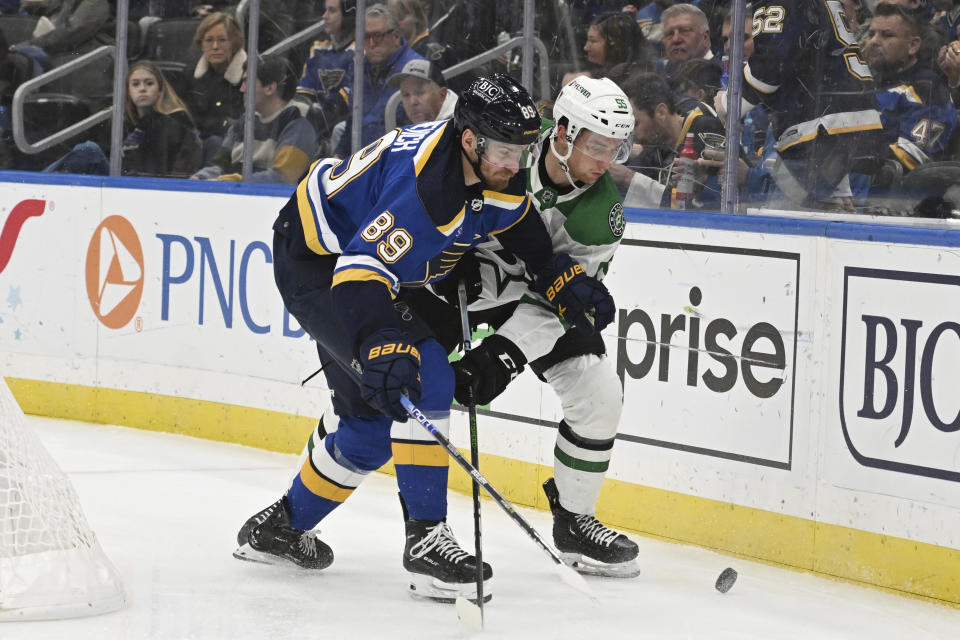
<point x="596" y="104"/>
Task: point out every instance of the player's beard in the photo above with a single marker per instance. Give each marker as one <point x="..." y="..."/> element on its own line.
<point x="496" y="178"/>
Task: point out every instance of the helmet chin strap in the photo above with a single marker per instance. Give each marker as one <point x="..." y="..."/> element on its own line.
<point x="562" y="159"/>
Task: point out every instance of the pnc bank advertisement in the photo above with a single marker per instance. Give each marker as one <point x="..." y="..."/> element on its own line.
<point x="756" y="358"/>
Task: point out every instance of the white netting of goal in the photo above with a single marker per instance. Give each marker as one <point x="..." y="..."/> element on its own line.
<point x="51" y="565"/>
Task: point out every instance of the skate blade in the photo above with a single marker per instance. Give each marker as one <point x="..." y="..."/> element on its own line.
<point x="588" y="567"/>
<point x="423" y="587"/>
<point x="249" y="554"/>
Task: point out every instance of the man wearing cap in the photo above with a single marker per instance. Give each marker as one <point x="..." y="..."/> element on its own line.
<point x="423" y="92"/>
<point x="385" y="53"/>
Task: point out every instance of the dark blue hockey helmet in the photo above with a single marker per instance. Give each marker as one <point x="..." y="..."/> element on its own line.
<point x="498" y="108"/>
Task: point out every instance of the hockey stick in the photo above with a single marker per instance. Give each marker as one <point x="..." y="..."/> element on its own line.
<point x="465" y="609"/>
<point x="568" y="575"/>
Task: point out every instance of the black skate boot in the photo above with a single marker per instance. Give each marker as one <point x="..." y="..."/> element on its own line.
<point x="587" y="545"/>
<point x="267" y="537"/>
<point x="439" y="568"/>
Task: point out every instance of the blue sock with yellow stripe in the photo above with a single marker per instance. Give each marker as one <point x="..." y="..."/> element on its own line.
<point x="335" y="465"/>
<point x="422" y="464"/>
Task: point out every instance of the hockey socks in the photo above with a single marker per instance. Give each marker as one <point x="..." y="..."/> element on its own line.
<point x="323" y="483"/>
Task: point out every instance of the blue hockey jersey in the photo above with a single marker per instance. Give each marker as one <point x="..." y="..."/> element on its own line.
<point x="806" y="68"/>
<point x="918" y="115"/>
<point x="397" y="212"/>
<point x="328" y="76"/>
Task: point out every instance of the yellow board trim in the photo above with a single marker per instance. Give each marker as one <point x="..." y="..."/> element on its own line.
<point x="902" y="566"/>
<point x="321" y="486"/>
<point x="425" y="455"/>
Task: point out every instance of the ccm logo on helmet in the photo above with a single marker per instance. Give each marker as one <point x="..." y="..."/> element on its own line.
<point x="561" y="280"/>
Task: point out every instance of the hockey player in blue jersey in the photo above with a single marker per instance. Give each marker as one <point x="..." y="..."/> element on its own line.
<point x="352" y="250"/>
<point x="807" y="70"/>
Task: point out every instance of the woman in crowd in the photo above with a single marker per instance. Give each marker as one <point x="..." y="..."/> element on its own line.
<point x="614" y="38"/>
<point x="160" y="136"/>
<point x="215" y="97"/>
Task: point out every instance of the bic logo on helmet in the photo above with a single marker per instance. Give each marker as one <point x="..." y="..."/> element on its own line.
<point x="114" y="272"/>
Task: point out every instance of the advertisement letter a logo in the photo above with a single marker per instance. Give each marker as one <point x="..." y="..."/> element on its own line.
<point x="114" y="272"/>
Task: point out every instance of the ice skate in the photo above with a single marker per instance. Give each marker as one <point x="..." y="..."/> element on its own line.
<point x="587" y="545"/>
<point x="439" y="568"/>
<point x="267" y="537"/>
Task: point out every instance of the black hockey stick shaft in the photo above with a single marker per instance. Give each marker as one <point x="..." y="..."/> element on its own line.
<point x="417" y="415"/>
<point x="474" y="452"/>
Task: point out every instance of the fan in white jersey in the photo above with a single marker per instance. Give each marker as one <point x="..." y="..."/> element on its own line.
<point x="580" y="206"/>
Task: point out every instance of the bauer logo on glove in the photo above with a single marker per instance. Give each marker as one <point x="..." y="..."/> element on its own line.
<point x="581" y="300"/>
<point x="392" y="348"/>
<point x="562" y="279"/>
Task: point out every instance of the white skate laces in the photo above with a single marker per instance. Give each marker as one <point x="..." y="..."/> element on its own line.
<point x="594" y="530"/>
<point x="440" y="537"/>
<point x="308" y="543"/>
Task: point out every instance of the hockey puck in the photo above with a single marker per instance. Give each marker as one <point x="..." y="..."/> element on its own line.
<point x="725" y="580"/>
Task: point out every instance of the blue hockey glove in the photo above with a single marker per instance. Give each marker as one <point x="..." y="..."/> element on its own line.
<point x="391" y="367"/>
<point x="467" y="270"/>
<point x="581" y="301"/>
<point x="483" y="373"/>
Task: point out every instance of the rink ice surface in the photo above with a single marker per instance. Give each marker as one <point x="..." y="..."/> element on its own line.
<point x="167" y="509"/>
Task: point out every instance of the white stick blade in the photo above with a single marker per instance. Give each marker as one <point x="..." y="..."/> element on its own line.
<point x="469" y="614"/>
<point x="575" y="580"/>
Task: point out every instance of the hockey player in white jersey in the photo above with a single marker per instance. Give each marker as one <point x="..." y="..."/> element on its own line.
<point x="580" y="206"/>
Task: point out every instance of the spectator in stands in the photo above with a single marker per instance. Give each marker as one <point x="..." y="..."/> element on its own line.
<point x="413" y="25"/>
<point x="686" y="36"/>
<point x="15" y="69"/>
<point x="614" y="38"/>
<point x="67" y="27"/>
<point x="423" y="92"/>
<point x="696" y="80"/>
<point x="916" y="110"/>
<point x="284" y="141"/>
<point x="386" y="53"/>
<point x="662" y="129"/>
<point x="215" y="99"/>
<point x="327" y="77"/>
<point x="649" y="19"/>
<point x="947" y="19"/>
<point x="160" y="136"/>
<point x="747" y="35"/>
